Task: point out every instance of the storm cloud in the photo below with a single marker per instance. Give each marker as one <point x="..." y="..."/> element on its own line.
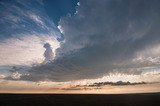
<point x="101" y="38"/>
<point x="104" y="37"/>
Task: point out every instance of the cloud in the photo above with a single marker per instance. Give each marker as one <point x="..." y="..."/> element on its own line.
<point x="25" y="17"/>
<point x="16" y="75"/>
<point x="48" y="54"/>
<point x="101" y="37"/>
<point x="2" y="76"/>
<point x="25" y="28"/>
<point x="118" y="83"/>
<point x="13" y="50"/>
<point x="37" y="19"/>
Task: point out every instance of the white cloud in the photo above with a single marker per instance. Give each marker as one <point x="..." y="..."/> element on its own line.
<point x="37" y="19"/>
<point x="25" y="50"/>
<point x="2" y="76"/>
<point x="16" y="75"/>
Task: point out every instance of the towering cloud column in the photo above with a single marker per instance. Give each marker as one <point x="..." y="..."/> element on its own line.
<point x="48" y="54"/>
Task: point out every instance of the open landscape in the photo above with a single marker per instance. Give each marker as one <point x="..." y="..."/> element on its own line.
<point x="80" y="52"/>
<point x="140" y="99"/>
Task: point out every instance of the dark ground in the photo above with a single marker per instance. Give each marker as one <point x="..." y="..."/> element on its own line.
<point x="146" y="99"/>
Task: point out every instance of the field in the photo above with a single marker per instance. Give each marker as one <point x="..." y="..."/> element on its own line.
<point x="141" y="99"/>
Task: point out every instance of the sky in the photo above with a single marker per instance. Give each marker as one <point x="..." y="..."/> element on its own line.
<point x="58" y="42"/>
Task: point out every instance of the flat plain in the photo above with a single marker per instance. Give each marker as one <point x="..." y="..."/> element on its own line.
<point x="139" y="99"/>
